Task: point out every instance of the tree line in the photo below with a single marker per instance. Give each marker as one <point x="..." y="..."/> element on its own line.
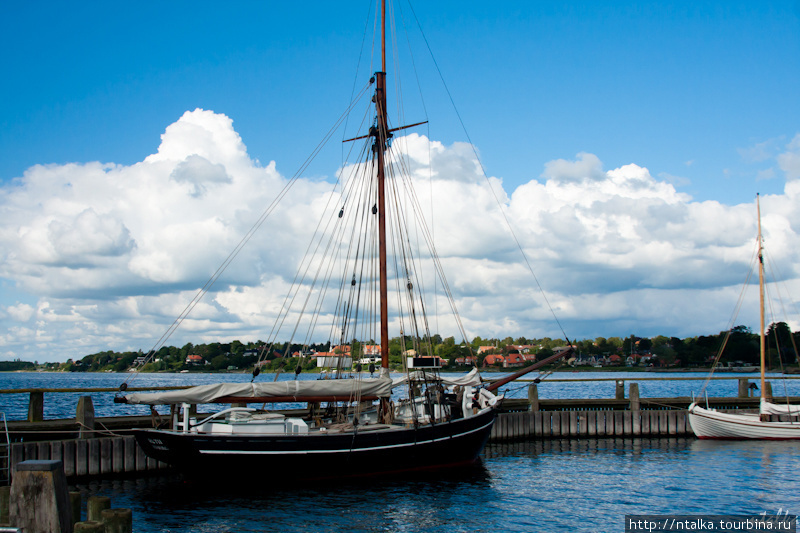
<point x="740" y="345"/>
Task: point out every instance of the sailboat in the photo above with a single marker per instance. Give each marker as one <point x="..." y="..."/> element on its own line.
<point x="773" y="421"/>
<point x="349" y="427"/>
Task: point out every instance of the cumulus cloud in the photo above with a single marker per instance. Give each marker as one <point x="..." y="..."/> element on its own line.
<point x="789" y="161"/>
<point x="110" y="254"/>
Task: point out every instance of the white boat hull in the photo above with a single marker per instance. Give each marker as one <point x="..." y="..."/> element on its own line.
<point x="712" y="424"/>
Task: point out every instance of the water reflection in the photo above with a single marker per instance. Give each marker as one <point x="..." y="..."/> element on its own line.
<point x="537" y="486"/>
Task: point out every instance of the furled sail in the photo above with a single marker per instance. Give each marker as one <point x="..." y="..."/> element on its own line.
<point x="341" y="389"/>
<point x="769" y="408"/>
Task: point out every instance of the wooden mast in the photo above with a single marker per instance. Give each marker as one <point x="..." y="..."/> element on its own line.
<point x="381" y="136"/>
<point x="761" y="296"/>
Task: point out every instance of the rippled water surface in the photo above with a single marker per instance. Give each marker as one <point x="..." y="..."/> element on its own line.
<point x="62" y="405"/>
<point x="537" y="486"/>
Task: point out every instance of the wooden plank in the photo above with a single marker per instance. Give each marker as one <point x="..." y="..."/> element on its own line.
<point x="637" y="423"/>
<point x="672" y="421"/>
<point x="662" y="424"/>
<point x="618" y="423"/>
<point x="526" y="425"/>
<point x="81" y="457"/>
<point x="555" y="423"/>
<point x="69" y="457"/>
<point x="43" y="450"/>
<point x="106" y="451"/>
<point x="627" y="423"/>
<point x="31" y="451"/>
<point x="57" y="451"/>
<point x="129" y="462"/>
<point x="609" y="431"/>
<point x="118" y="455"/>
<point x="591" y="423"/>
<point x="93" y="456"/>
<point x="582" y="424"/>
<point x="645" y="423"/>
<point x="141" y="459"/>
<point x="16" y="455"/>
<point x="572" y="421"/>
<point x="537" y="424"/>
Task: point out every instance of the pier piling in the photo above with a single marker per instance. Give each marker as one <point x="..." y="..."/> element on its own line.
<point x="39" y="500"/>
<point x="95" y="505"/>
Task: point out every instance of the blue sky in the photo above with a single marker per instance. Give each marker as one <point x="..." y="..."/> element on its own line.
<point x="703" y="95"/>
<point x="680" y="87"/>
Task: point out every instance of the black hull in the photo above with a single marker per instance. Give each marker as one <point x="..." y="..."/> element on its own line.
<point x="320" y="456"/>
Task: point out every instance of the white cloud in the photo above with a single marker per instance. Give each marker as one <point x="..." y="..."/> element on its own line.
<point x="789" y="161"/>
<point x="114" y="253"/>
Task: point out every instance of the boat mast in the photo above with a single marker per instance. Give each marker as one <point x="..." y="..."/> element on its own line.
<point x="761" y="295"/>
<point x="381" y="136"/>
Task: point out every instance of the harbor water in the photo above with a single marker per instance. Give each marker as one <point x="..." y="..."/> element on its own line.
<point x="537" y="486"/>
<point x="586" y="485"/>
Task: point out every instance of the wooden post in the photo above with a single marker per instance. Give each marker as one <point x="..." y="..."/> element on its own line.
<point x="5" y="493"/>
<point x="96" y="505"/>
<point x="767" y="392"/>
<point x="633" y="392"/>
<point x="620" y="392"/>
<point x="36" y="406"/>
<point x="75" y="506"/>
<point x="93" y="456"/>
<point x="68" y="456"/>
<point x="533" y="397"/>
<point x="744" y="387"/>
<point x="89" y="526"/>
<point x="39" y="499"/>
<point x="118" y="520"/>
<point x="591" y="423"/>
<point x="84" y="416"/>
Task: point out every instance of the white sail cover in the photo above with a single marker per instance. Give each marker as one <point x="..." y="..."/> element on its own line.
<point x="768" y="408"/>
<point x="340" y="388"/>
<point x="473" y="379"/>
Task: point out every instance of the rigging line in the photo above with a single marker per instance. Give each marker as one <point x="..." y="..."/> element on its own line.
<point x="734" y="315"/>
<point x="483" y="171"/>
<point x="430" y="158"/>
<point x="235" y="252"/>
<point x="437" y="262"/>
<point x="337" y="232"/>
<point x="409" y="256"/>
<point x="358" y="67"/>
<point x="295" y="287"/>
<point x="352" y="180"/>
<point x="307" y="260"/>
<point x="776" y="275"/>
<point x="409" y="194"/>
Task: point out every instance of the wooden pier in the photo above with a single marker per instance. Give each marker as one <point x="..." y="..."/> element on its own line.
<point x="92" y="447"/>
